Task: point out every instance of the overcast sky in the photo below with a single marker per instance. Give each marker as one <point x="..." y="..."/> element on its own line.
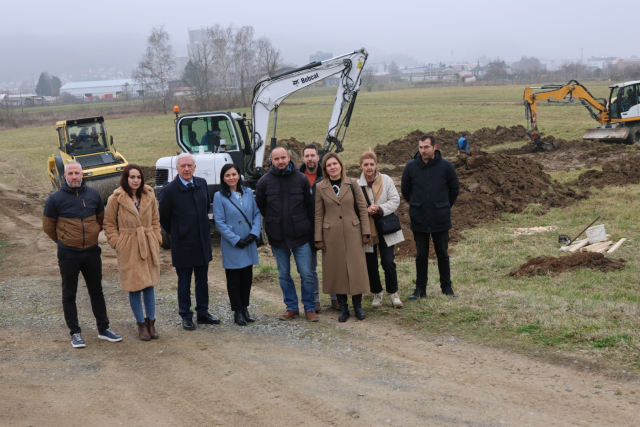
<point x="47" y="35"/>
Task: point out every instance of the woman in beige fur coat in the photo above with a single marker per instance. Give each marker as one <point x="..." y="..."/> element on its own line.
<point x="132" y="227"/>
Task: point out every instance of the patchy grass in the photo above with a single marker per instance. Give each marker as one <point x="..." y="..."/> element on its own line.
<point x="582" y="313"/>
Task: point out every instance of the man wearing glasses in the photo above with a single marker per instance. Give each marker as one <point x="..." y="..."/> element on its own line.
<point x="184" y="214"/>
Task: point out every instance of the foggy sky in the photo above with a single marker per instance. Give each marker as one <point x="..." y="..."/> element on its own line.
<point x="41" y="35"/>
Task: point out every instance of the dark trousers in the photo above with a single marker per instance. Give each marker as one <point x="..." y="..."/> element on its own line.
<point x="239" y="286"/>
<point x="201" y="273"/>
<point x="89" y="263"/>
<point x="388" y="265"/>
<point x="441" y="246"/>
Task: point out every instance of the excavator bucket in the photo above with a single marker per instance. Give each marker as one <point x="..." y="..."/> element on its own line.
<point x="609" y="134"/>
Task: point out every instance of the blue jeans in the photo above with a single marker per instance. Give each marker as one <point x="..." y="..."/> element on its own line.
<point x="302" y="255"/>
<point x="314" y="271"/>
<point x="149" y="296"/>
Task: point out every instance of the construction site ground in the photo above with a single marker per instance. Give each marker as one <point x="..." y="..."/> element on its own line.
<point x="375" y="372"/>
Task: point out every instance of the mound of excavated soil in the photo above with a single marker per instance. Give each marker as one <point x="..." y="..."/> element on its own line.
<point x="293" y="146"/>
<point x="621" y="171"/>
<point x="552" y="265"/>
<point x="400" y="151"/>
<point x="495" y="183"/>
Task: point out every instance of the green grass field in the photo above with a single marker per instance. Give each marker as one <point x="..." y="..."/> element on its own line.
<point x="584" y="314"/>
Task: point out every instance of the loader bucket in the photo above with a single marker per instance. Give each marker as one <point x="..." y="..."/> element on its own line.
<point x="617" y="134"/>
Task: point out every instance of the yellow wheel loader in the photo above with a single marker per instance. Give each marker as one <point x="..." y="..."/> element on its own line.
<point x="85" y="141"/>
<point x="619" y="116"/>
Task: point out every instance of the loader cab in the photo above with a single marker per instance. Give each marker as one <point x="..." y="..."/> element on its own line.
<point x="624" y="101"/>
<point x="212" y="133"/>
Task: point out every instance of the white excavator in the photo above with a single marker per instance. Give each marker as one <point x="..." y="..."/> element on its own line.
<point x="218" y="138"/>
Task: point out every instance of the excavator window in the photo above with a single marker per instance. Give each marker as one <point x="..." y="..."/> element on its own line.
<point x="214" y="133"/>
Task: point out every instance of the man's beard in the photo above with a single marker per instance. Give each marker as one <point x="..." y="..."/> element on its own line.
<point x="74" y="186"/>
<point x="310" y="168"/>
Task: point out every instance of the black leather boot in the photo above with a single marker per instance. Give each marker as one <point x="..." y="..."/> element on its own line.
<point x="238" y="317"/>
<point x="344" y="308"/>
<point x="247" y="316"/>
<point x="357" y="307"/>
<point x="418" y="293"/>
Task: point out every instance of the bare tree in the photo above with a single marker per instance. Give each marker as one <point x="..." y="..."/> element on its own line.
<point x="198" y="76"/>
<point x="221" y="43"/>
<point x="126" y="91"/>
<point x="368" y="78"/>
<point x="527" y="65"/>
<point x="244" y="55"/>
<point x="394" y="70"/>
<point x="497" y="69"/>
<point x="269" y="58"/>
<point x="156" y="68"/>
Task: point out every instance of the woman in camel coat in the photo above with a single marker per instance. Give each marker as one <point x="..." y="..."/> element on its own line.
<point x="132" y="227"/>
<point x="341" y="232"/>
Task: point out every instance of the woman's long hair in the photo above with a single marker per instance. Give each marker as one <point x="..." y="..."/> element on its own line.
<point x="124" y="181"/>
<point x="332" y="155"/>
<point x="224" y="187"/>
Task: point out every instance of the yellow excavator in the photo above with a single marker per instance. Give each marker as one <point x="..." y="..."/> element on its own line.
<point x="85" y="141"/>
<point x="619" y="116"/>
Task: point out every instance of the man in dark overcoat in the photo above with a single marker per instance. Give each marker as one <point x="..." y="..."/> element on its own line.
<point x="430" y="186"/>
<point x="184" y="214"/>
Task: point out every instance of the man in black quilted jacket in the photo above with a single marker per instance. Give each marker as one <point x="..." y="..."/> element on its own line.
<point x="430" y="186"/>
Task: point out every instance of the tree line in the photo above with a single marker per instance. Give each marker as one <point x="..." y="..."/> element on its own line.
<point x="220" y="73"/>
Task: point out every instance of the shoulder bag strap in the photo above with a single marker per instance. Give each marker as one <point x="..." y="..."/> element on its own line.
<point x="366" y="196"/>
<point x="355" y="204"/>
<point x="241" y="211"/>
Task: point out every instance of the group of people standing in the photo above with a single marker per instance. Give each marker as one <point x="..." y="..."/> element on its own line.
<point x="310" y="210"/>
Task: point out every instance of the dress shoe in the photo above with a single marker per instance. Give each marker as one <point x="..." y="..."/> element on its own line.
<point x="312" y="316"/>
<point x="417" y="294"/>
<point x="290" y="314"/>
<point x="152" y="328"/>
<point x="247" y="316"/>
<point x="449" y="292"/>
<point x="335" y="304"/>
<point x="188" y="324"/>
<point x="238" y="317"/>
<point x="318" y="308"/>
<point x="143" y="331"/>
<point x="208" y="320"/>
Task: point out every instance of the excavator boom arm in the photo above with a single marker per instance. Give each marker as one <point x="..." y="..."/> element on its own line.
<point x="269" y="94"/>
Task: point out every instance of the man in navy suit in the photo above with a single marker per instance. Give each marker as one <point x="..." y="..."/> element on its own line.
<point x="184" y="214"/>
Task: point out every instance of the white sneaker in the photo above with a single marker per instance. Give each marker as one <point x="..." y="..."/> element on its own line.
<point x="377" y="300"/>
<point x="395" y="300"/>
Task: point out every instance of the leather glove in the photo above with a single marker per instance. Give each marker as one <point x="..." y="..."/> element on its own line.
<point x="321" y="246"/>
<point x="250" y="239"/>
<point x="242" y="243"/>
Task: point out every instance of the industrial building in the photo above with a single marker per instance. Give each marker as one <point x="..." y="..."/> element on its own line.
<point x="103" y="89"/>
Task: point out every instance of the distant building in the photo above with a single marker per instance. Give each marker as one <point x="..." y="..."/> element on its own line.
<point x="103" y="89"/>
<point x="320" y="56"/>
<point x="624" y="63"/>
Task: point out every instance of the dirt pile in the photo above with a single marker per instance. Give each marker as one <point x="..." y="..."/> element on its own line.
<point x="621" y="171"/>
<point x="492" y="184"/>
<point x="293" y="146"/>
<point x="552" y="265"/>
<point x="398" y="152"/>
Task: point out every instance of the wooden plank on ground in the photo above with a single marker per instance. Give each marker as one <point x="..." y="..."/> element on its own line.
<point x="602" y="249"/>
<point x="596" y="246"/>
<point x="581" y="244"/>
<point x="616" y="246"/>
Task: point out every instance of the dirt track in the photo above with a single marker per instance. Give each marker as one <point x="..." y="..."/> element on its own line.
<point x="357" y="373"/>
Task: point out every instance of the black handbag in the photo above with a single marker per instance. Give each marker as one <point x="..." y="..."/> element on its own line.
<point x="384" y="224"/>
